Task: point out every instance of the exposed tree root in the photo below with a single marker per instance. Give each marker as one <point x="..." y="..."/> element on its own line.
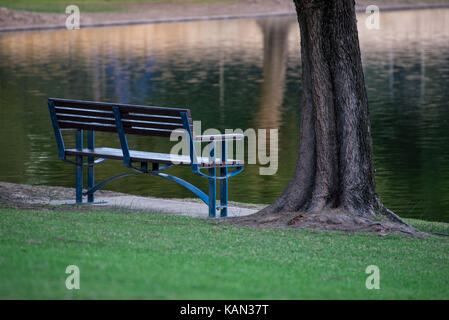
<point x="330" y="220"/>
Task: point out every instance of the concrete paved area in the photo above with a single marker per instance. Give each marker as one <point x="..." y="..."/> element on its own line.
<point x="19" y="194"/>
<point x="165" y="206"/>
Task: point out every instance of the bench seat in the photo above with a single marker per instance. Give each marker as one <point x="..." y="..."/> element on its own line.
<point x="142" y="156"/>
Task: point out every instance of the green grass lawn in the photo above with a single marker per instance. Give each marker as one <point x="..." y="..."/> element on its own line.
<point x="125" y="255"/>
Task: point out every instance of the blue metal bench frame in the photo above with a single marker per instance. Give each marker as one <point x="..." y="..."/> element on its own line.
<point x="157" y="170"/>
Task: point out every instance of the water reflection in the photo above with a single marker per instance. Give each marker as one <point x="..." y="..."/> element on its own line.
<point x="275" y="49"/>
<point x="233" y="74"/>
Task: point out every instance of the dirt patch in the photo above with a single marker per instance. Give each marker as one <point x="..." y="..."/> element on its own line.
<point x="19" y="193"/>
<point x="23" y="196"/>
<point x="10" y="18"/>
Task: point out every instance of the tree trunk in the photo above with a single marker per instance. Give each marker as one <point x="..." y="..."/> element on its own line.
<point x="335" y="167"/>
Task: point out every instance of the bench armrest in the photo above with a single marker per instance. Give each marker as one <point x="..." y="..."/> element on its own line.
<point x="219" y="137"/>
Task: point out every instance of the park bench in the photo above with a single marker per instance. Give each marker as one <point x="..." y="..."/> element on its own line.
<point x="123" y="119"/>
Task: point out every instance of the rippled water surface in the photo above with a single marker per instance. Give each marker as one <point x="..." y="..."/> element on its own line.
<point x="232" y="74"/>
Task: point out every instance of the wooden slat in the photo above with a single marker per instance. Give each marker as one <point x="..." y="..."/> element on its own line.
<point x="149" y="132"/>
<point x="75" y="104"/>
<point x="84" y="112"/>
<point x="154" y="110"/>
<point x="86" y="126"/>
<point x="112" y="153"/>
<point x="221" y="165"/>
<point x="106" y="106"/>
<point x="165" y="158"/>
<point x="155" y="118"/>
<point x="83" y="119"/>
<point x="219" y="137"/>
<point x="151" y="125"/>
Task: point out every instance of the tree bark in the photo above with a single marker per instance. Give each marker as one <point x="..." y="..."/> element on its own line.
<point x="335" y="167"/>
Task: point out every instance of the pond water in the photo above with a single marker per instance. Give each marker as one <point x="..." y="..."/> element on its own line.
<point x="232" y="74"/>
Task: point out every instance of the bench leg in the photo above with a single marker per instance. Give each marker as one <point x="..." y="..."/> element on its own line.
<point x="224" y="182"/>
<point x="212" y="194"/>
<point x="90" y="168"/>
<point x="212" y="183"/>
<point x="79" y="168"/>
<point x="79" y="180"/>
<point x="224" y="193"/>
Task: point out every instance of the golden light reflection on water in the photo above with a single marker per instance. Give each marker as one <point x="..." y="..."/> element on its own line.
<point x="198" y="38"/>
<point x="173" y="40"/>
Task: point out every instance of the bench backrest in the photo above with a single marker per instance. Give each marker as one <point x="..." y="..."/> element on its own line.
<point x="99" y="116"/>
